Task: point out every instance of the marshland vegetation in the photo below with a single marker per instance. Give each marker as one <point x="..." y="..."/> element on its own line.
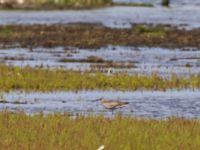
<point x="20" y="132"/>
<point x="95" y="36"/>
<point x="64" y="4"/>
<point x="55" y="4"/>
<point x="39" y="79"/>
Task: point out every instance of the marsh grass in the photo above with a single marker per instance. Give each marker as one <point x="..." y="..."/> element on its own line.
<point x="6" y="31"/>
<point x="78" y="4"/>
<point x="95" y="36"/>
<point x="38" y="79"/>
<point x="38" y="132"/>
<point x="57" y="4"/>
<point x="156" y="31"/>
<point x="67" y="4"/>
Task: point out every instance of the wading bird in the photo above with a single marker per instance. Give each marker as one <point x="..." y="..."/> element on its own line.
<point x="112" y="104"/>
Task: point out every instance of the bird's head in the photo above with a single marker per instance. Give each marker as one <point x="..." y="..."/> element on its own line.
<point x="99" y="99"/>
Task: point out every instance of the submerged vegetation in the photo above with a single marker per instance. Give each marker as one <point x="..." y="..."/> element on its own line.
<point x="116" y="65"/>
<point x="89" y="59"/>
<point x="16" y="78"/>
<point x="38" y="132"/>
<point x="133" y="4"/>
<point x="96" y="36"/>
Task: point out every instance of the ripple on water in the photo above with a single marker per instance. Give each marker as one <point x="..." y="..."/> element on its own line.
<point x="117" y="17"/>
<point x="141" y="60"/>
<point x="151" y="104"/>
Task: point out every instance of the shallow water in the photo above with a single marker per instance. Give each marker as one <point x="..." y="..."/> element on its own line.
<point x="118" y="17"/>
<point x="185" y="103"/>
<point x="144" y="60"/>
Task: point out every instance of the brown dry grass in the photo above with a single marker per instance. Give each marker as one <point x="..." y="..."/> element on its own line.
<point x="96" y="36"/>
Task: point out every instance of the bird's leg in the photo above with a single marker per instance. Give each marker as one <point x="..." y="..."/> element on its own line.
<point x="112" y="111"/>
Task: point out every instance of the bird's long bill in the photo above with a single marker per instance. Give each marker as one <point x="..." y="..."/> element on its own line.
<point x="96" y="100"/>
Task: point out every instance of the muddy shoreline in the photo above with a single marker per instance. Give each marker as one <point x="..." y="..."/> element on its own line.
<point x="95" y="36"/>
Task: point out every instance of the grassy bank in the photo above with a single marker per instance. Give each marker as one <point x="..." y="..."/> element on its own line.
<point x="57" y="4"/>
<point x="15" y="78"/>
<point x="21" y="132"/>
<point x="66" y="4"/>
<point x="96" y="36"/>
